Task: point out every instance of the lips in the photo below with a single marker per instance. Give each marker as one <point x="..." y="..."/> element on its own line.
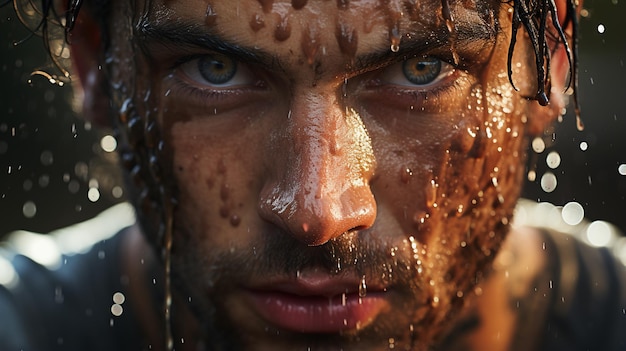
<point x="317" y="303"/>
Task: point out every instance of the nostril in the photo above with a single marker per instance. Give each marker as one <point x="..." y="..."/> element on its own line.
<point x="359" y="228"/>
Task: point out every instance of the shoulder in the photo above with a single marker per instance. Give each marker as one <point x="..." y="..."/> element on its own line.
<point x="552" y="289"/>
<point x="62" y="301"/>
<point x="576" y="299"/>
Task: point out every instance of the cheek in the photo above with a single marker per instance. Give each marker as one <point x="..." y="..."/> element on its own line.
<point x="215" y="183"/>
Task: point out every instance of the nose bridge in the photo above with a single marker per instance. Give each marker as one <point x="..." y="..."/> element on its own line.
<point x="322" y="189"/>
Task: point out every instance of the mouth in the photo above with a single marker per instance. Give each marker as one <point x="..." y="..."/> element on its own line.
<point x="318" y="303"/>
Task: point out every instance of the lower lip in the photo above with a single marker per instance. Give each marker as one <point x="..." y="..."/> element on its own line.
<point x="317" y="314"/>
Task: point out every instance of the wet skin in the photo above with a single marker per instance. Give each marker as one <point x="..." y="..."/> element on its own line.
<point x="329" y="192"/>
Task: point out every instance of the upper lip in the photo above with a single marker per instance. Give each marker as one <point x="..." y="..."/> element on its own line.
<point x="316" y="284"/>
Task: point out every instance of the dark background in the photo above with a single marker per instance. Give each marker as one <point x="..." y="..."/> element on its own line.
<point x="50" y="158"/>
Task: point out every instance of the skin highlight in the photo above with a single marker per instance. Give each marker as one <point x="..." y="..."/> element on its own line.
<point x="320" y="161"/>
<point x="309" y="195"/>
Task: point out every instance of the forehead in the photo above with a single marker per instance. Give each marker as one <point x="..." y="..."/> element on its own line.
<point x="307" y="29"/>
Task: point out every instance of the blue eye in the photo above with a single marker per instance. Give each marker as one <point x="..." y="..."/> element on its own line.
<point x="417" y="72"/>
<point x="216" y="68"/>
<point x="421" y="71"/>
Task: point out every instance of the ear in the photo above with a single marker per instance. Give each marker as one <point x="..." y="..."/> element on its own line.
<point x="543" y="116"/>
<point x="86" y="51"/>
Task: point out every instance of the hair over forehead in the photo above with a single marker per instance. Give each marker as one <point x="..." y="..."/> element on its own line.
<point x="538" y="18"/>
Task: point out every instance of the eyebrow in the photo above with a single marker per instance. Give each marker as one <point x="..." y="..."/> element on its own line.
<point x="469" y="34"/>
<point x="186" y="34"/>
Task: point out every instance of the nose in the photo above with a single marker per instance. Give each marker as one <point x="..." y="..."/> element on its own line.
<point x="318" y="187"/>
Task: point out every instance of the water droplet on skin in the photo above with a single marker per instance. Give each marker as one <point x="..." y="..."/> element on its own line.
<point x="405" y="175"/>
<point x="257" y="22"/>
<point x="210" y="16"/>
<point x="431" y="193"/>
<point x="343" y="4"/>
<point x="394" y="37"/>
<point x="298" y="4"/>
<point x="310" y="44"/>
<point x="235" y="220"/>
<point x="362" y="288"/>
<point x="283" y="28"/>
<point x="347" y="38"/>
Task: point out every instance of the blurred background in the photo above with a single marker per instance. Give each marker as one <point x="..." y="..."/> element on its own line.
<point x="56" y="169"/>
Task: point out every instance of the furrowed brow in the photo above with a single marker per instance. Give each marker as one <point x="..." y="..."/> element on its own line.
<point x="189" y="35"/>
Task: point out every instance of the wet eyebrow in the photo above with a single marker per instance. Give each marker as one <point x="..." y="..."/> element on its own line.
<point x="180" y="35"/>
<point x="471" y="35"/>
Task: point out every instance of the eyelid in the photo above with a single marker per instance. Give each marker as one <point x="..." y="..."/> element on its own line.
<point x="393" y="75"/>
<point x="188" y="68"/>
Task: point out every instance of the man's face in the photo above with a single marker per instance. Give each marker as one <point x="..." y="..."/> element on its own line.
<point x="344" y="170"/>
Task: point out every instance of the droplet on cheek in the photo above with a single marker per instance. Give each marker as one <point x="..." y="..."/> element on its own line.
<point x="235" y="220"/>
<point x="298" y="4"/>
<point x="210" y="16"/>
<point x="257" y="22"/>
<point x="283" y="29"/>
<point x="347" y="39"/>
<point x="266" y="5"/>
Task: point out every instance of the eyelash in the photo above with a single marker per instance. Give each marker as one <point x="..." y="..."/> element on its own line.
<point x="209" y="97"/>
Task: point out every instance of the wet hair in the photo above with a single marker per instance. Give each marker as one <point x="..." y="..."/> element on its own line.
<point x="535" y="16"/>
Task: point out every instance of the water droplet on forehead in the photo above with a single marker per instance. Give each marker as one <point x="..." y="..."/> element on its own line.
<point x="347" y="38"/>
<point x="210" y="15"/>
<point x="310" y="44"/>
<point x="257" y="22"/>
<point x="282" y="31"/>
